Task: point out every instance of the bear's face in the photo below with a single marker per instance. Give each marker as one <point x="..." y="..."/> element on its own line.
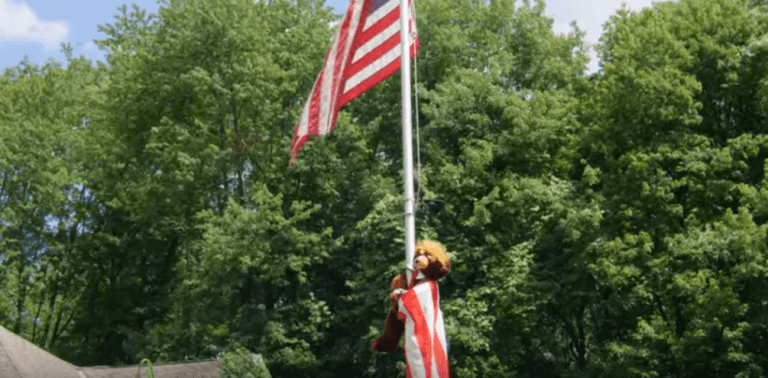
<point x="439" y="263"/>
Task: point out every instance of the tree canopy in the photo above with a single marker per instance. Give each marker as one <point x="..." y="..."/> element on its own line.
<point x="612" y="224"/>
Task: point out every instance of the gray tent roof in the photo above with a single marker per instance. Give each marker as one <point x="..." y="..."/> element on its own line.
<point x="204" y="369"/>
<point x="20" y="358"/>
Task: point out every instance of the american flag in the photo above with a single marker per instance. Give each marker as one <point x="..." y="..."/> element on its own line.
<point x="426" y="348"/>
<point x="365" y="51"/>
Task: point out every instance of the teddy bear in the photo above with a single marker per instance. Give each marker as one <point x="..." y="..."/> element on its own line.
<point x="431" y="263"/>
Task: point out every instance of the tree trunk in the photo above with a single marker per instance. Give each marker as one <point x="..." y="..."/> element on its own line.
<point x="39" y="307"/>
<point x="21" y="298"/>
<point x="51" y="310"/>
<point x="239" y="168"/>
<point x="222" y="198"/>
<point x="581" y="344"/>
<point x="57" y="331"/>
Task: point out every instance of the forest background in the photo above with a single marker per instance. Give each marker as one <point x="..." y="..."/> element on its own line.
<point x="603" y="225"/>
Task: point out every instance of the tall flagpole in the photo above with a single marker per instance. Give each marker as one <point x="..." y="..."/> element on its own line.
<point x="405" y="89"/>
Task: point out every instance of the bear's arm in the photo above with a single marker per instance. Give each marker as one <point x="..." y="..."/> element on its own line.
<point x="401" y="309"/>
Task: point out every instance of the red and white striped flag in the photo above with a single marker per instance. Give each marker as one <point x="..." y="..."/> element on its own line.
<point x="365" y="51"/>
<point x="426" y="351"/>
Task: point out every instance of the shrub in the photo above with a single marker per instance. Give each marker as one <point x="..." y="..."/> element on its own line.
<point x="240" y="363"/>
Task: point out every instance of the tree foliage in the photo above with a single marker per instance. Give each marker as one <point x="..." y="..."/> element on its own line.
<point x="602" y="225"/>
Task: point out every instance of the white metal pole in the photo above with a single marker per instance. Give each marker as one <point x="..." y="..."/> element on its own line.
<point x="405" y="89"/>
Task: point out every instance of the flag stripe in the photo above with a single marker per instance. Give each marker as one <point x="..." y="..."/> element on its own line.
<point x="377" y="40"/>
<point x="314" y="108"/>
<point x="364" y="52"/>
<point x="326" y="89"/>
<point x="425" y="351"/>
<point x="341" y="65"/>
<point x="438" y="336"/>
<point x="378" y="14"/>
<point x="420" y="363"/>
<point x="303" y="125"/>
<point x="411" y="355"/>
<point x="369" y="70"/>
<point x="363" y="68"/>
<point x="373" y="80"/>
<point x="393" y="18"/>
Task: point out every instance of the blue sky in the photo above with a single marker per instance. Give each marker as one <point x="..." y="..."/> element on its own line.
<point x="37" y="27"/>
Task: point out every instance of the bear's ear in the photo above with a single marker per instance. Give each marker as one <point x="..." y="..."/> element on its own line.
<point x="433" y="248"/>
<point x="447" y="266"/>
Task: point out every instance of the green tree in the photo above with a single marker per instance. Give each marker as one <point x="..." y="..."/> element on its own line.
<point x="182" y="86"/>
<point x="44" y="112"/>
<point x="676" y="137"/>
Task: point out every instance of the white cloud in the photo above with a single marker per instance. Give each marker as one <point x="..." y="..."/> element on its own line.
<point x="589" y="16"/>
<point x="90" y="46"/>
<point x="90" y="51"/>
<point x="18" y="23"/>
